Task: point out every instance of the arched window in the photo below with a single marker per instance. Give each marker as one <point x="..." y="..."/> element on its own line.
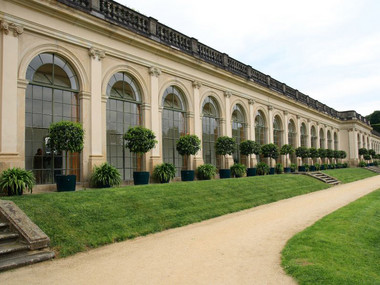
<point x="335" y="141"/>
<point x="238" y="132"/>
<point x="260" y="128"/>
<point x="277" y="131"/>
<point x="51" y="96"/>
<point x="359" y="142"/>
<point x="329" y="140"/>
<point x="210" y="130"/>
<point x="321" y="139"/>
<point x="292" y="133"/>
<point x="364" y="142"/>
<point x="314" y="137"/>
<point x="123" y="112"/>
<point x="173" y="125"/>
<point x="303" y="132"/>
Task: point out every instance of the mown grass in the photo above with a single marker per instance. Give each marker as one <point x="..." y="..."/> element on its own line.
<point x="342" y="248"/>
<point x="75" y="221"/>
<point x="347" y="175"/>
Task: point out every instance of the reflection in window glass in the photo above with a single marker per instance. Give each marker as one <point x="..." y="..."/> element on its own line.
<point x="238" y="132"/>
<point x="210" y="131"/>
<point x="51" y="96"/>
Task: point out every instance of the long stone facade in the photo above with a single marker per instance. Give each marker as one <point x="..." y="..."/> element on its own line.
<point x="110" y="68"/>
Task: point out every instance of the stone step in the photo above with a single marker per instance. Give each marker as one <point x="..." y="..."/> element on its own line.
<point x="6" y="236"/>
<point x="28" y="258"/>
<point x="12" y="247"/>
<point x="3" y="227"/>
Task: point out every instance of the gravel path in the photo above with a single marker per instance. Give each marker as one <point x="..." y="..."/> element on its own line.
<point x="240" y="248"/>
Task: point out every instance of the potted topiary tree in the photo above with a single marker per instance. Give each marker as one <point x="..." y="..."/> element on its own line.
<point x="336" y="157"/>
<point x="14" y="181"/>
<point x="225" y="146"/>
<point x="322" y="156"/>
<point x="313" y="154"/>
<point x="270" y="150"/>
<point x="140" y="140"/>
<point x="362" y="151"/>
<point x="329" y="155"/>
<point x="286" y="150"/>
<point x="247" y="148"/>
<point x="367" y="158"/>
<point x="187" y="145"/>
<point x="342" y="155"/>
<point x="66" y="136"/>
<point x="372" y="153"/>
<point x="302" y="152"/>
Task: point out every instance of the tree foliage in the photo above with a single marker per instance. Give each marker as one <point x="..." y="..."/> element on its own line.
<point x="139" y="140"/>
<point x="66" y="136"/>
<point x="270" y="150"/>
<point x="225" y="145"/>
<point x="188" y="145"/>
<point x="250" y="147"/>
<point x="302" y="152"/>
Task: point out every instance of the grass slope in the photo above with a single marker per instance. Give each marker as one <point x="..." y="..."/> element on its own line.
<point x="342" y="248"/>
<point x="347" y="175"/>
<point x="75" y="221"/>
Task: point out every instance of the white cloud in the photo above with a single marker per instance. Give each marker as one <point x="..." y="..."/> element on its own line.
<point x="328" y="49"/>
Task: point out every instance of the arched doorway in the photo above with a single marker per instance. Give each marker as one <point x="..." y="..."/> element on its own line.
<point x="123" y="112"/>
<point x="173" y="125"/>
<point x="51" y="96"/>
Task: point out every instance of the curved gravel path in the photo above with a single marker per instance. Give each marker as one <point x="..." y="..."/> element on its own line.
<point x="240" y="248"/>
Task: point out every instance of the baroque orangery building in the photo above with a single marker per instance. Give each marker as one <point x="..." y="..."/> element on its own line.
<point x="110" y="68"/>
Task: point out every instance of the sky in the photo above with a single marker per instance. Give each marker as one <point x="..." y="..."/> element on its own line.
<point x="327" y="49"/>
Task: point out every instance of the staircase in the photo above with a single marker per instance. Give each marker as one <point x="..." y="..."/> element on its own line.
<point x="373" y="169"/>
<point x="323" y="177"/>
<point x="16" y="250"/>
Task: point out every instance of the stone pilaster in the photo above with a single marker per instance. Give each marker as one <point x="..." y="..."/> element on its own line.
<point x="9" y="99"/>
<point x="198" y="158"/>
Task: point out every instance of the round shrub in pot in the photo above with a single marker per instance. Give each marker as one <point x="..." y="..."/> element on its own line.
<point x="188" y="145"/>
<point x="66" y="136"/>
<point x="225" y="146"/>
<point x="140" y="140"/>
<point x="287" y="150"/>
<point x="262" y="168"/>
<point x="249" y="147"/>
<point x="270" y="150"/>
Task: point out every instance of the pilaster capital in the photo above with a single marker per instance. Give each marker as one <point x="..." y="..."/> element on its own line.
<point x="298" y="116"/>
<point x="308" y="120"/>
<point x="96" y="54"/>
<point x="145" y="106"/>
<point x="84" y="95"/>
<point x="227" y="94"/>
<point x="7" y="27"/>
<point x="154" y="71"/>
<point x="286" y="113"/>
<point x="251" y="102"/>
<point x="22" y="83"/>
<point x="197" y="84"/>
<point x="270" y="108"/>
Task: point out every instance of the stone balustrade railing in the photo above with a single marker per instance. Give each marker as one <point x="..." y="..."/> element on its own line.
<point x="151" y="28"/>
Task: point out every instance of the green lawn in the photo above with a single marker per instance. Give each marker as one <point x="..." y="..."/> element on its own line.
<point x="76" y="221"/>
<point x="347" y="175"/>
<point x="342" y="248"/>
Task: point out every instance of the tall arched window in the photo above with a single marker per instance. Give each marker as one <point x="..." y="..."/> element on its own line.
<point x="260" y="128"/>
<point x="51" y="96"/>
<point x="292" y="133"/>
<point x="210" y="130"/>
<point x="314" y="137"/>
<point x="321" y="139"/>
<point x="364" y="142"/>
<point x="123" y="112"/>
<point x="359" y="142"/>
<point x="335" y="141"/>
<point x="173" y="125"/>
<point x="277" y="131"/>
<point x="238" y="132"/>
<point x="303" y="132"/>
<point x="329" y="140"/>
